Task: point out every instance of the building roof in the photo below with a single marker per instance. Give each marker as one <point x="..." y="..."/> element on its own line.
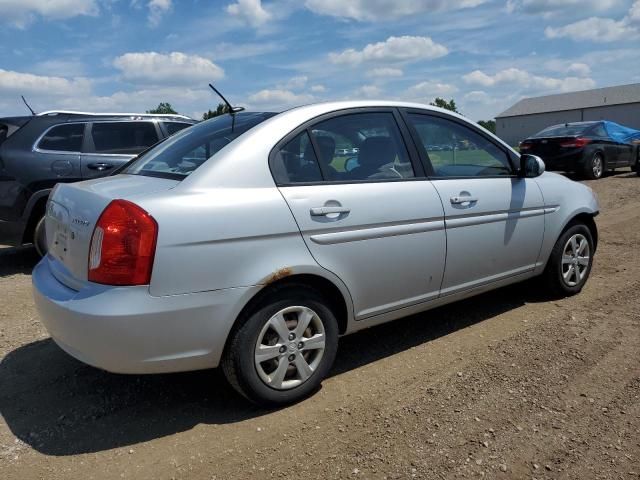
<point x="598" y="97"/>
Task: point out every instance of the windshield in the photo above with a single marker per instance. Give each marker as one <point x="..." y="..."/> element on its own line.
<point x="568" y="130"/>
<point x="183" y="152"/>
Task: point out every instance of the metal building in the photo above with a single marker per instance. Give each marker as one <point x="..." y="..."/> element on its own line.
<point x="619" y="104"/>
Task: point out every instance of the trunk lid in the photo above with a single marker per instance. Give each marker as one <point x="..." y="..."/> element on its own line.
<point x="545" y="146"/>
<point x="72" y="212"/>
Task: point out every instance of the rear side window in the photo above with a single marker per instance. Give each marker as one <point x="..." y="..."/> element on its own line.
<point x="296" y="162"/>
<point x="3" y="133"/>
<point x="174" y="127"/>
<point x="124" y="138"/>
<point x="63" y="138"/>
<point x="457" y="151"/>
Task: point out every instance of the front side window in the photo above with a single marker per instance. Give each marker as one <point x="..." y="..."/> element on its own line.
<point x="123" y="138"/>
<point x="63" y="138"/>
<point x="182" y="153"/>
<point x="457" y="151"/>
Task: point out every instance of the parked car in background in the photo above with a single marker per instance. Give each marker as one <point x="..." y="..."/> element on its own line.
<point x="587" y="148"/>
<point x="259" y="254"/>
<point x="36" y="152"/>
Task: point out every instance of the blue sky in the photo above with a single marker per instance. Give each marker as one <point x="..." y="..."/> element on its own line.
<point x="129" y="55"/>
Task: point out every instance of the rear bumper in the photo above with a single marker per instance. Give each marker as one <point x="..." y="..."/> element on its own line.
<point x="126" y="330"/>
<point x="11" y="233"/>
<point x="566" y="162"/>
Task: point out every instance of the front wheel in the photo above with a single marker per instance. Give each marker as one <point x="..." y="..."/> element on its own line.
<point x="283" y="350"/>
<point x="570" y="261"/>
<point x="594" y="167"/>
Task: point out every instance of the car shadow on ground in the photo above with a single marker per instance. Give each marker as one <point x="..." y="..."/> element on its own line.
<point x="60" y="406"/>
<point x="17" y="260"/>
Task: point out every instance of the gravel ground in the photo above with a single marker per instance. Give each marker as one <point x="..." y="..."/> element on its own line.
<point x="506" y="385"/>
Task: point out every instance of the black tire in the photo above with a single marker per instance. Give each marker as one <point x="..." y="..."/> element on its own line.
<point x="238" y="361"/>
<point x="591" y="171"/>
<point x="40" y="238"/>
<point x="553" y="275"/>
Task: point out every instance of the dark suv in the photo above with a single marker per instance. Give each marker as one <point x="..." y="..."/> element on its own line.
<point x="39" y="151"/>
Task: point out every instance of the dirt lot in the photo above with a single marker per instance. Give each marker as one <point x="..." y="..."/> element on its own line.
<point x="507" y="385"/>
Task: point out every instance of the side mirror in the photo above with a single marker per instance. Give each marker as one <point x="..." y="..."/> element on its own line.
<point x="531" y="166"/>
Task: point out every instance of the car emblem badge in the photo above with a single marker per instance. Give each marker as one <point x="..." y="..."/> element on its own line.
<point x="80" y="221"/>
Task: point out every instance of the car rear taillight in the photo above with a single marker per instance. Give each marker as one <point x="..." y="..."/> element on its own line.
<point x="575" y="142"/>
<point x="123" y="245"/>
<point x="525" y="146"/>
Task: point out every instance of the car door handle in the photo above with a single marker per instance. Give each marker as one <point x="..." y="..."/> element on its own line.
<point x="101" y="167"/>
<point x="321" y="211"/>
<point x="463" y="199"/>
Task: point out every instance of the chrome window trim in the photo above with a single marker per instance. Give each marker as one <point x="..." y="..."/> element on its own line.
<point x="36" y="149"/>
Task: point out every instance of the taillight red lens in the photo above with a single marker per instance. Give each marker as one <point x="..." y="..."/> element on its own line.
<point x="575" y="142"/>
<point x="525" y="146"/>
<point x="123" y="245"/>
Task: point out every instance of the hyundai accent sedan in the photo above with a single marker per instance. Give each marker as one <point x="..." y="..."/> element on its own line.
<point x="254" y="241"/>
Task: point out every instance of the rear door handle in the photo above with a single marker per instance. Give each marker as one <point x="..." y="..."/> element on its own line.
<point x="321" y="211"/>
<point x="463" y="199"/>
<point x="100" y="166"/>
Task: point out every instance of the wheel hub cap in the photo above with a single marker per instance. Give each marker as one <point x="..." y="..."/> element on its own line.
<point x="289" y="348"/>
<point x="575" y="260"/>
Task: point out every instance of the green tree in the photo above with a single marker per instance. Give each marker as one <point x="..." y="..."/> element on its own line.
<point x="221" y="109"/>
<point x="163" y="108"/>
<point x="488" y="124"/>
<point x="442" y="103"/>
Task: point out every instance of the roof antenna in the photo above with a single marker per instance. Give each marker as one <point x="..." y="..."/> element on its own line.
<point x="25" y="102"/>
<point x="232" y="110"/>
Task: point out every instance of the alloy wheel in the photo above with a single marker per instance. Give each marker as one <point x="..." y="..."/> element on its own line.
<point x="290" y="347"/>
<point x="575" y="260"/>
<point x="597" y="166"/>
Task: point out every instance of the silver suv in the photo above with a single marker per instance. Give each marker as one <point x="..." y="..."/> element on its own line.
<point x="253" y="241"/>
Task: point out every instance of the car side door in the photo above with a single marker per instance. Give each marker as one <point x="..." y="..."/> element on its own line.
<point x="494" y="219"/>
<point x="57" y="154"/>
<point x="109" y="144"/>
<point x="370" y="216"/>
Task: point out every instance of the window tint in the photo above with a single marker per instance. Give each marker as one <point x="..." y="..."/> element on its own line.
<point x="63" y="138"/>
<point x="457" y="151"/>
<point x="184" y="152"/>
<point x="361" y="146"/>
<point x="296" y="162"/>
<point x="173" y="127"/>
<point x="126" y="138"/>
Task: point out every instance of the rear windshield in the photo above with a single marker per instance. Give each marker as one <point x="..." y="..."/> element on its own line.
<point x="564" y="130"/>
<point x="184" y="152"/>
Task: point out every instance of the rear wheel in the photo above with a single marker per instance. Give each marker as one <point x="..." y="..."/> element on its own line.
<point x="594" y="167"/>
<point x="570" y="262"/>
<point x="40" y="238"/>
<point x="284" y="349"/>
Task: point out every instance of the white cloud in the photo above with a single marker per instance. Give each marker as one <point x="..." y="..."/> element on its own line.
<point x="595" y="29"/>
<point x="478" y="96"/>
<point x="295" y="83"/>
<point x="318" y="88"/>
<point x="427" y="91"/>
<point x="18" y="83"/>
<point x="373" y="10"/>
<point x="385" y="72"/>
<point x="21" y="12"/>
<point x="165" y="69"/>
<point x="526" y="80"/>
<point x="157" y="9"/>
<point x="394" y="49"/>
<point x="249" y="11"/>
<point x="579" y="69"/>
<point x="369" y="91"/>
<point x="279" y="98"/>
<point x="550" y="6"/>
<point x="602" y="30"/>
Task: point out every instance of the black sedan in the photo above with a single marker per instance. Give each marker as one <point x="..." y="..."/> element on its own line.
<point x="587" y="148"/>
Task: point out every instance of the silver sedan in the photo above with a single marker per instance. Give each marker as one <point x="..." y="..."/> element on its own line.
<point x="254" y="240"/>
